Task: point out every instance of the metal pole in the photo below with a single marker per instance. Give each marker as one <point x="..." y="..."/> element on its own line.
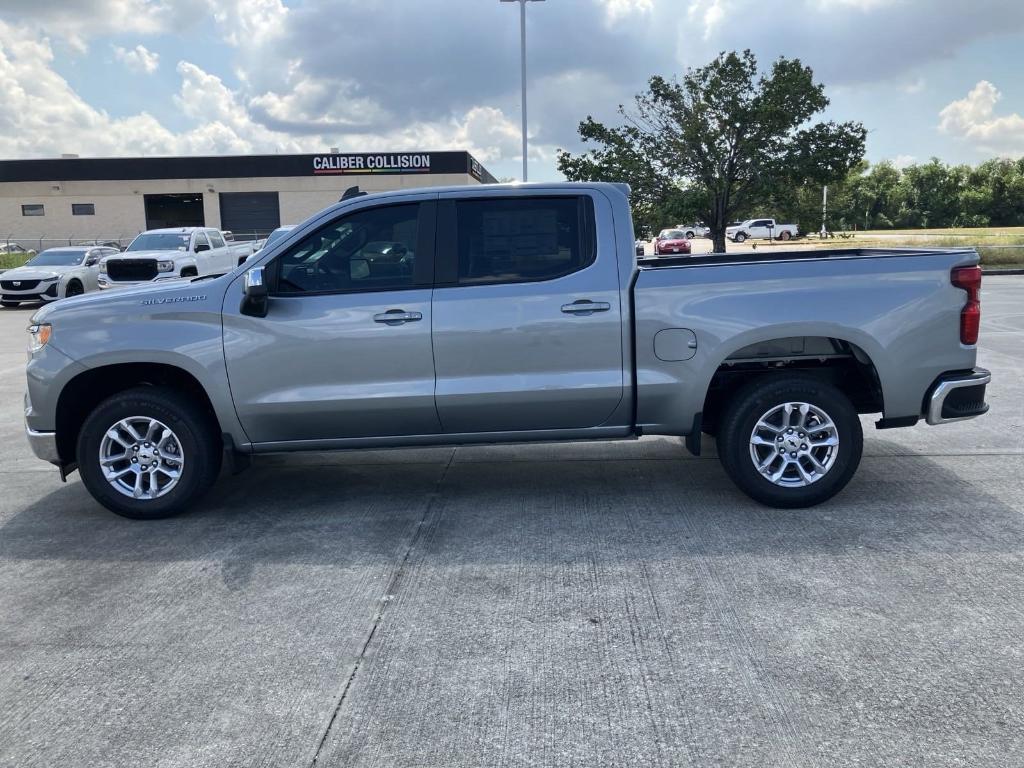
<point x="522" y="36"/>
<point x="824" y="210"/>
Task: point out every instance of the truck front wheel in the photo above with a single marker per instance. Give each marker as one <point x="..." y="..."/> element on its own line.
<point x="148" y="453"/>
<point x="790" y="441"/>
<point x="739" y="237"/>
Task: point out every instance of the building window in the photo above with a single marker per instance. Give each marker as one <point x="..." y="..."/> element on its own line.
<point x="83" y="209"/>
<point x="33" y="209"/>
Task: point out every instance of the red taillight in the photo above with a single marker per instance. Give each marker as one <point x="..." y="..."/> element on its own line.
<point x="969" y="279"/>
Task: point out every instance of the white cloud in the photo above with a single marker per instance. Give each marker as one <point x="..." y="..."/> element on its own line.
<point x="44" y="116"/>
<point x="616" y="10"/>
<point x="78" y="21"/>
<point x="902" y="161"/>
<point x="706" y="15"/>
<point x="249" y="22"/>
<point x="137" y="59"/>
<point x="973" y="118"/>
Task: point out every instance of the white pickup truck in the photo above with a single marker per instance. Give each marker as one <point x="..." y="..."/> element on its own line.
<point x="761" y="229"/>
<point x="162" y="254"/>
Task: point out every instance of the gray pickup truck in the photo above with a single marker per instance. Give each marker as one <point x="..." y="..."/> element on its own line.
<point x="501" y="314"/>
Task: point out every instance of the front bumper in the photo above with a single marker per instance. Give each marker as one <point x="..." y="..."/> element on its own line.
<point x="104" y="282"/>
<point x="957" y="396"/>
<point x="682" y="250"/>
<point x="44" y="445"/>
<point x="42" y="292"/>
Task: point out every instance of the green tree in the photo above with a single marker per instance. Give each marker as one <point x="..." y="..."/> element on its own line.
<point x="723" y="138"/>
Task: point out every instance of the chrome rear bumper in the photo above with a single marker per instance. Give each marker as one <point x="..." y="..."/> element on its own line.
<point x="956" y="397"/>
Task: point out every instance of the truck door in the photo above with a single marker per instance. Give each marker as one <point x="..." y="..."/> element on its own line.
<point x="527" y="322"/>
<point x="344" y="350"/>
<point x="225" y="259"/>
<point x="202" y="251"/>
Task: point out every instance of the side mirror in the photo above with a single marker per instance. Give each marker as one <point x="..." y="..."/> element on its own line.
<point x="255" y="301"/>
<point x="91" y="262"/>
<point x="200" y="247"/>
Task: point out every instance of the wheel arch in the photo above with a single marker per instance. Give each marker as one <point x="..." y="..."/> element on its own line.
<point x="88" y="389"/>
<point x="836" y="358"/>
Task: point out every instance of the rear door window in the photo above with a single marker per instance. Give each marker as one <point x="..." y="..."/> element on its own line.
<point x="514" y="240"/>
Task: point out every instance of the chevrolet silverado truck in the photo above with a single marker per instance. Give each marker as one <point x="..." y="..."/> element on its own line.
<point x="761" y="229"/>
<point x="501" y="313"/>
<point x="170" y="254"/>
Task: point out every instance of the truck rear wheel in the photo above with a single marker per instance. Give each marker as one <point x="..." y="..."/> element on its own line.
<point x="148" y="453"/>
<point x="790" y="441"/>
<point x="785" y="235"/>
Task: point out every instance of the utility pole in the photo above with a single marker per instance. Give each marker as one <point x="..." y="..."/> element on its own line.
<point x="522" y="45"/>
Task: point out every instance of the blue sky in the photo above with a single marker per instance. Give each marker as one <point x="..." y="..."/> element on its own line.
<point x="927" y="77"/>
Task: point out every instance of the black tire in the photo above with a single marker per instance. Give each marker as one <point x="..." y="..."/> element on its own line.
<point x="689" y="235"/>
<point x="194" y="429"/>
<point x="739" y="238"/>
<point x="190" y="272"/>
<point x="785" y="235"/>
<point x="74" y="288"/>
<point x="755" y="400"/>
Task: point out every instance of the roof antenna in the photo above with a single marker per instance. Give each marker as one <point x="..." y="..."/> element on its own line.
<point x="350" y="193"/>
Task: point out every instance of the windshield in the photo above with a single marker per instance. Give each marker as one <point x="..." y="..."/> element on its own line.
<point x="276" y="235"/>
<point x="672" y="234"/>
<point x="159" y="241"/>
<point x="59" y="257"/>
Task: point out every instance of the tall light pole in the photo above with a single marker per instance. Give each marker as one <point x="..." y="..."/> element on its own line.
<point x="522" y="44"/>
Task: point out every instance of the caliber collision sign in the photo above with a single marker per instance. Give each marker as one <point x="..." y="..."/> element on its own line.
<point x="362" y="164"/>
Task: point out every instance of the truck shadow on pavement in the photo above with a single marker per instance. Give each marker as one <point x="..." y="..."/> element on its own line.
<point x="338" y="509"/>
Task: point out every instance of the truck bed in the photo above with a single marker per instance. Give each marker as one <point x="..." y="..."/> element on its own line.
<point x="895" y="309"/>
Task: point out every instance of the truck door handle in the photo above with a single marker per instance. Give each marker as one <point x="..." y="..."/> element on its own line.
<point x="586" y="307"/>
<point x="397" y="317"/>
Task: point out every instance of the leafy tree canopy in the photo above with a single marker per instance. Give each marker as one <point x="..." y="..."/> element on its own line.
<point x="718" y="141"/>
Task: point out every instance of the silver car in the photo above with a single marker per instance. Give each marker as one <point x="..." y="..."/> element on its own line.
<point x="53" y="274"/>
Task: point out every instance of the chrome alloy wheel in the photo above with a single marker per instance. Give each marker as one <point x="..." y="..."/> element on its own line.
<point x="794" y="444"/>
<point x="141" y="457"/>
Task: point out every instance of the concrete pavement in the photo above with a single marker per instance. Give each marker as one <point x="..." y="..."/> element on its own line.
<point x="587" y="604"/>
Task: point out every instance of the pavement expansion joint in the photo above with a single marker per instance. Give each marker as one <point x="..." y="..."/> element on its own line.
<point x="390" y="595"/>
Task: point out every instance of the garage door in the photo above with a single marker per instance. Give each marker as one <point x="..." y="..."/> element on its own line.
<point x="249" y="214"/>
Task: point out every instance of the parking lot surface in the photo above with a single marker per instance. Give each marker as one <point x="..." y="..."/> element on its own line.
<point x="586" y="604"/>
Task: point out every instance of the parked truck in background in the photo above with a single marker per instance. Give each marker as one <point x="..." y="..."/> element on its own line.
<point x="168" y="254"/>
<point x="499" y="313"/>
<point x="761" y="229"/>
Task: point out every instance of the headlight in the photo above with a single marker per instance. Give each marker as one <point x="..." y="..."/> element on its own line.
<point x="165" y="266"/>
<point x="50" y="279"/>
<point x="38" y="335"/>
<point x="103" y="267"/>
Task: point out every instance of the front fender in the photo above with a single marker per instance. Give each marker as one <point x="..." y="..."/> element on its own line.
<point x="177" y="325"/>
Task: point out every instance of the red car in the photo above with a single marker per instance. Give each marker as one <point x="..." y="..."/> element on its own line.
<point x="670" y="241"/>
